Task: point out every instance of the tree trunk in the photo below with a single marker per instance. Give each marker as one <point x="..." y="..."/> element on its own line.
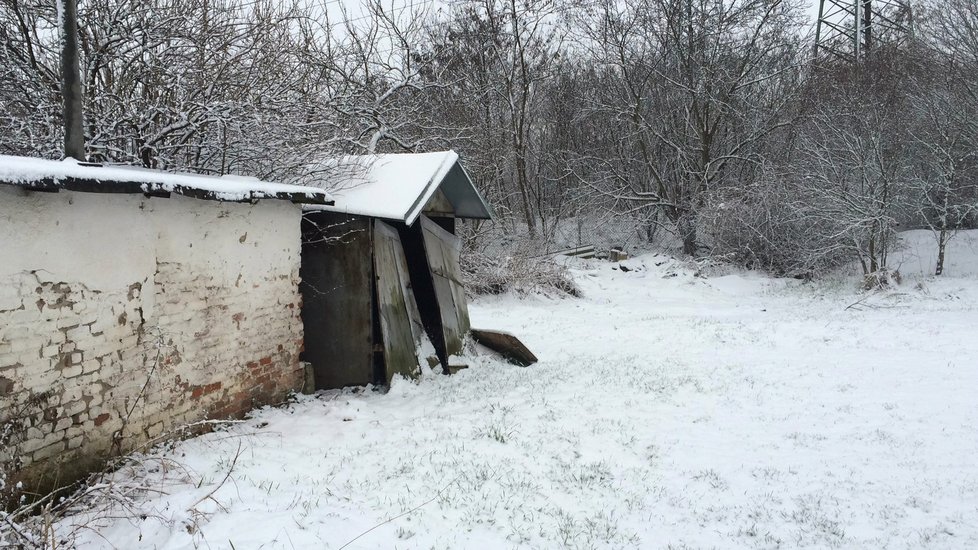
<point x="942" y="238"/>
<point x="522" y="182"/>
<point x="687" y="229"/>
<point x="873" y="265"/>
<point x="651" y="226"/>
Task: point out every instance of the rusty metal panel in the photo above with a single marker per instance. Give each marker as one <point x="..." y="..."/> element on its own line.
<point x="337" y="299"/>
<point x="442" y="249"/>
<point x="400" y="320"/>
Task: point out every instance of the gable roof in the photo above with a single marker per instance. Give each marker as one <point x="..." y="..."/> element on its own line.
<point x="398" y="186"/>
<point x="51" y="175"/>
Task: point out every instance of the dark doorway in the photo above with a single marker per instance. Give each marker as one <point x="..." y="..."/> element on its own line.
<point x="412" y="239"/>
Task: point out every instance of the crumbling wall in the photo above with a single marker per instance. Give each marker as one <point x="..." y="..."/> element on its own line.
<point x="123" y="318"/>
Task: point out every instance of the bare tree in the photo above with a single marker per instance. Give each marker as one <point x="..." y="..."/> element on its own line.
<point x="504" y="58"/>
<point x="695" y="92"/>
<point x="945" y="128"/>
<point x="852" y="159"/>
<point x="373" y="78"/>
<point x="30" y="83"/>
<point x="699" y="117"/>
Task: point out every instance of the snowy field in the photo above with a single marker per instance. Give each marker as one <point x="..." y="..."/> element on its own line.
<point x="667" y="411"/>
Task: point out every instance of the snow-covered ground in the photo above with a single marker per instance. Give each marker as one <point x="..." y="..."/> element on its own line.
<point x="667" y="411"/>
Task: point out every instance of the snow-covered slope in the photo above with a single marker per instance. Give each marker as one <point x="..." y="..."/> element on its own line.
<point x="917" y="254"/>
<point x="667" y="411"/>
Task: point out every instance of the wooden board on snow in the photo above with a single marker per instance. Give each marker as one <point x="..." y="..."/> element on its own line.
<point x="506" y="345"/>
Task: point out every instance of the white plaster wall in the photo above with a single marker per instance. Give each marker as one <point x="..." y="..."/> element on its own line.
<point x="70" y="236"/>
<point x="108" y="241"/>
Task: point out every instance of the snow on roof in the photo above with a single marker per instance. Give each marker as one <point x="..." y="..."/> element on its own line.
<point x="69" y="174"/>
<point x="398" y="186"/>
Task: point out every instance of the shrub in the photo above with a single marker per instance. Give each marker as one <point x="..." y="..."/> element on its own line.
<point x="520" y="273"/>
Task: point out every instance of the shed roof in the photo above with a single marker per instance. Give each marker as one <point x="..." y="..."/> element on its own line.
<point x="398" y="186"/>
<point x="71" y="175"/>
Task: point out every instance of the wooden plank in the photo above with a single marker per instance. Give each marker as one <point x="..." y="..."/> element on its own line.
<point x="438" y="204"/>
<point x="442" y="250"/>
<point x="337" y="299"/>
<point x="400" y="321"/>
<point x="586" y="251"/>
<point x="461" y="307"/>
<point x="455" y="364"/>
<point x="452" y="332"/>
<point x="505" y="344"/>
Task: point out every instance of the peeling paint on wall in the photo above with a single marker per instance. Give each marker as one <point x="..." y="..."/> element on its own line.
<point x="114" y="330"/>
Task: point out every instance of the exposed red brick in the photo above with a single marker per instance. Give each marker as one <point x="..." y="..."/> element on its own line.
<point x="205" y="356"/>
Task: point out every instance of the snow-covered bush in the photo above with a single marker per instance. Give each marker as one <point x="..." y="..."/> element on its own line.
<point x="882" y="279"/>
<point x="518" y="272"/>
<point x="763" y="227"/>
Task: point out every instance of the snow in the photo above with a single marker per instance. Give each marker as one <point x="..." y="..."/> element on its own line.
<point x="917" y="254"/>
<point x="388" y="186"/>
<point x="667" y="411"/>
<point x="23" y="170"/>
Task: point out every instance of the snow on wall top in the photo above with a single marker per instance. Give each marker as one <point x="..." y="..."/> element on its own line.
<point x="397" y="186"/>
<point x="69" y="174"/>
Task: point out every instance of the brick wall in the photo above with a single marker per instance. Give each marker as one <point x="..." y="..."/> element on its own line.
<point x="123" y="318"/>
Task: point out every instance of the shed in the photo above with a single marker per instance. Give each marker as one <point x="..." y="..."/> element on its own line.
<point x="134" y="302"/>
<point x="366" y="321"/>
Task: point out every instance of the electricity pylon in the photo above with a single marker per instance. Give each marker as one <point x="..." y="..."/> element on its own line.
<point x="852" y="29"/>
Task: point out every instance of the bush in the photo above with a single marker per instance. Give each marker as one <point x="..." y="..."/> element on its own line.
<point x="520" y="273"/>
<point x="791" y="229"/>
<point x="884" y="278"/>
<point x="761" y="228"/>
